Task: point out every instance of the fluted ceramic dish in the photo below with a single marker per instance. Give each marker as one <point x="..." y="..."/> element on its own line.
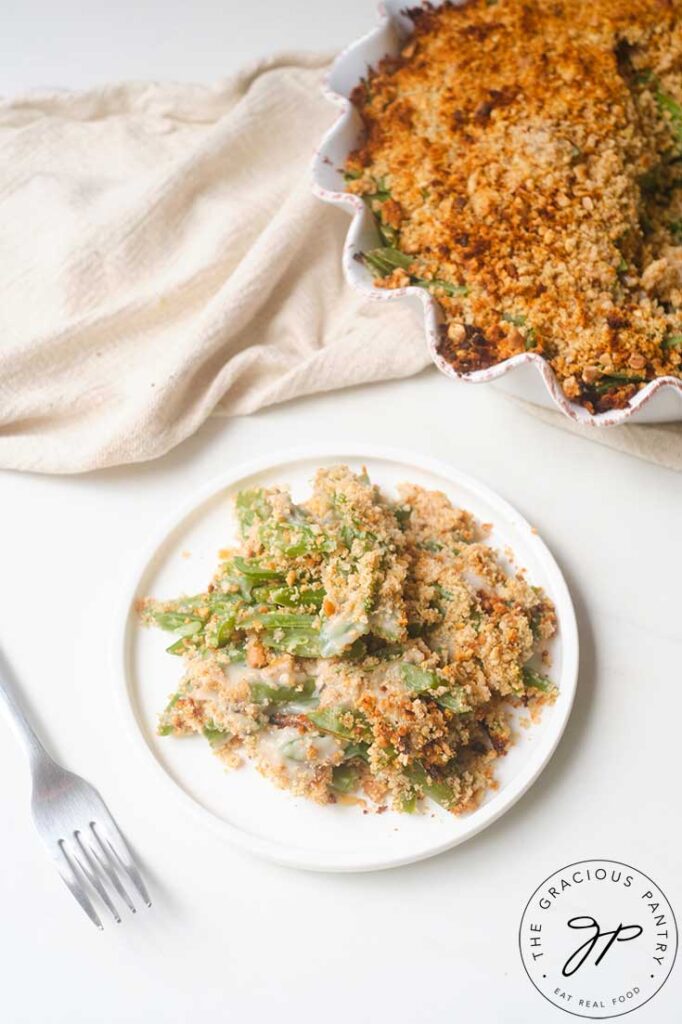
<point x="527" y="375"/>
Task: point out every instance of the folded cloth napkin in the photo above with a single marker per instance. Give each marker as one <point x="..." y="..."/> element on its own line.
<point x="163" y="258"/>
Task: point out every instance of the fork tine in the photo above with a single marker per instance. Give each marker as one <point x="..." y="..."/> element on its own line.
<point x="116" y="844"/>
<point x="72" y="881"/>
<point x="90" y="870"/>
<point x="107" y="865"/>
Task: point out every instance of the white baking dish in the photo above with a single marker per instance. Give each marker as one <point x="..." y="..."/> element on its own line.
<point x="532" y="377"/>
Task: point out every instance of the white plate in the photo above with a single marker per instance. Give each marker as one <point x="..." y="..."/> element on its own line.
<point x="242" y="805"/>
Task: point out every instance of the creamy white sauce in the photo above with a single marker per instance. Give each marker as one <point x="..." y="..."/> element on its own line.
<point x="338" y="633"/>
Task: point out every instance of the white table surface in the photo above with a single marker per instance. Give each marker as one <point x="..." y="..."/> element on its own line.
<point x="230" y="937"/>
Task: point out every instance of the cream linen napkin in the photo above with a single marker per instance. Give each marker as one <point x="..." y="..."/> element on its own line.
<point x="660" y="443"/>
<point x="162" y="256"/>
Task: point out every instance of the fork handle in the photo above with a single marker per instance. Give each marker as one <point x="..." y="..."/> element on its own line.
<point x="13" y="704"/>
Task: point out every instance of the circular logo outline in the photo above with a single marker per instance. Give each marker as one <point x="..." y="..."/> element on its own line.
<point x="574" y="864"/>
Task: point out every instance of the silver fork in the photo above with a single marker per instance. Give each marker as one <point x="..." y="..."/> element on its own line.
<point x="73" y="821"/>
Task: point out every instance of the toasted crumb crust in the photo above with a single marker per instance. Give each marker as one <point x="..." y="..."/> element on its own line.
<point x="522" y="160"/>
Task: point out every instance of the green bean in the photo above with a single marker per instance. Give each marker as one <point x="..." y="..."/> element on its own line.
<point x="231" y="576"/>
<point x="672" y="108"/>
<point x="289" y="597"/>
<point x="354" y="750"/>
<point x="422" y="680"/>
<point x="350" y="533"/>
<point x="225" y="629"/>
<point x="536" y="680"/>
<point x="333" y="721"/>
<point x="184" y="607"/>
<point x="439" y="791"/>
<point x="340" y="632"/>
<point x="535" y="623"/>
<point x="166" y="728"/>
<point x="672" y="341"/>
<point x="419" y="679"/>
<point x="179" y="647"/>
<point x="403" y="514"/>
<point x="345" y="778"/>
<point x="295" y="539"/>
<point x="284" y="620"/>
<point x="252" y="506"/>
<point x="389" y="235"/>
<point x="408" y="804"/>
<point x="263" y="693"/>
<point x="215" y="736"/>
<point x="223" y="602"/>
<point x="251" y="568"/>
<point x="356" y="652"/>
<point x="295" y="750"/>
<point x="445" y="286"/>
<point x="295" y="634"/>
<point x="614" y="380"/>
<point x="177" y="622"/>
<point x="519" y="320"/>
<point x="384" y="260"/>
<point x="303" y="643"/>
<point x="231" y="654"/>
<point x="249" y="576"/>
<point x="453" y="702"/>
<point x="381" y="194"/>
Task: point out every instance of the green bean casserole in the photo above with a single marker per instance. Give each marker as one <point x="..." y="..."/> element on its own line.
<point x="523" y="160"/>
<point x="353" y="644"/>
